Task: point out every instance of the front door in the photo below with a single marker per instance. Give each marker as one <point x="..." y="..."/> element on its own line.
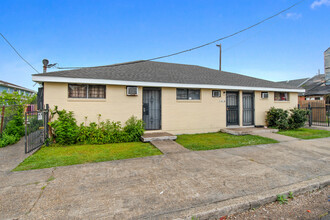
<point x="151" y="112"/>
<point x="232" y="108"/>
<point x="248" y="109"/>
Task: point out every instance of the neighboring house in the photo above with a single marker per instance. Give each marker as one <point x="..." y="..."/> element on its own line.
<point x="316" y="87"/>
<point x="10" y="88"/>
<point x="176" y="98"/>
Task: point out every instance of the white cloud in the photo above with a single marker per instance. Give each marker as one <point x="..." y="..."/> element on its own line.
<point x="318" y="3"/>
<point x="293" y="15"/>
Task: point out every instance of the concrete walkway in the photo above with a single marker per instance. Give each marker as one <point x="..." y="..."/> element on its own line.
<point x="278" y="137"/>
<point x="169" y="147"/>
<point x="181" y="185"/>
<point x="11" y="156"/>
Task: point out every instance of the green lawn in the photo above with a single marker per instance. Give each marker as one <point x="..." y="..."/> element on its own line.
<point x="210" y="141"/>
<point x="54" y="156"/>
<point x="306" y="133"/>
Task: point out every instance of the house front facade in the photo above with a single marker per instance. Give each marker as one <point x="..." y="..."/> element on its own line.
<point x="169" y="97"/>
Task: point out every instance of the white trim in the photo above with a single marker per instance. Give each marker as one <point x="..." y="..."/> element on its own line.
<point x="155" y="84"/>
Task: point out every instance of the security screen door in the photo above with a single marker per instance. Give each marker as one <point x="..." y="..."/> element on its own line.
<point x="248" y="109"/>
<point x="151" y="112"/>
<point x="232" y="108"/>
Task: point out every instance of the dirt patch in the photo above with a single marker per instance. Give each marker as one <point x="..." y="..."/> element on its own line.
<point x="311" y="205"/>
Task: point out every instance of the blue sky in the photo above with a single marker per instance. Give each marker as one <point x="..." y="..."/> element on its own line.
<point x="91" y="33"/>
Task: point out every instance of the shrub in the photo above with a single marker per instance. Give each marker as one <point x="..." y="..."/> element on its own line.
<point x="283" y="120"/>
<point x="16" y="125"/>
<point x="64" y="129"/>
<point x="134" y="128"/>
<point x="297" y="118"/>
<point x="8" y="139"/>
<point x="66" y="132"/>
<point x="111" y="132"/>
<point x="277" y="118"/>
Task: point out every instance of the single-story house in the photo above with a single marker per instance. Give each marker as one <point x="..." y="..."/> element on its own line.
<point x="175" y="98"/>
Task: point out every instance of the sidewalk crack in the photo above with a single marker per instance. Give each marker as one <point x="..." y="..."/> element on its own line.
<point x="42" y="191"/>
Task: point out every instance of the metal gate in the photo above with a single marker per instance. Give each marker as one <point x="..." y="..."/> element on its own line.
<point x="36" y="129"/>
<point x="152" y="108"/>
<point x="232" y="108"/>
<point x="248" y="109"/>
<point x="319" y="116"/>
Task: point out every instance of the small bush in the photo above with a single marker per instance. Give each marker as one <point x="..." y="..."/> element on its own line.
<point x="66" y="132"/>
<point x="297" y="118"/>
<point x="64" y="129"/>
<point x="16" y="125"/>
<point x="111" y="132"/>
<point x="134" y="128"/>
<point x="8" y="139"/>
<point x="284" y="120"/>
<point x="277" y="118"/>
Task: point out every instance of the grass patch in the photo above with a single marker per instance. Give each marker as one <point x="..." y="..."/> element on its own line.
<point x="54" y="156"/>
<point x="50" y="178"/>
<point x="210" y="141"/>
<point x="306" y="133"/>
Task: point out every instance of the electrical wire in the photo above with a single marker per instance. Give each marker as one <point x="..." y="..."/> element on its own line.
<point x="228" y="36"/>
<point x="206" y="44"/>
<point x="19" y="53"/>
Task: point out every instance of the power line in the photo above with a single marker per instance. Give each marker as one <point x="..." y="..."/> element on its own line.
<point x="18" y="53"/>
<point x="206" y="44"/>
<point x="228" y="36"/>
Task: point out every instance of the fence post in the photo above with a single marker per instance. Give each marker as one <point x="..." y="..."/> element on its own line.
<point x="26" y="144"/>
<point x="2" y="117"/>
<point x="310" y="114"/>
<point x="46" y="124"/>
<point x="327" y="116"/>
<point x="298" y="106"/>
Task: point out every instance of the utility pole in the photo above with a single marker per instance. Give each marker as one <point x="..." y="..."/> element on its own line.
<point x="219" y="45"/>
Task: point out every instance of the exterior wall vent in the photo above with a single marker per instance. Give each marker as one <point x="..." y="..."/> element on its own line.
<point x="264" y="95"/>
<point x="216" y="93"/>
<point x="132" y="90"/>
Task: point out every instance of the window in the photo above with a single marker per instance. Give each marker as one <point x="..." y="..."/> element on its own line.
<point x="216" y="93"/>
<point x="281" y="96"/>
<point x="87" y="91"/>
<point x="188" y="94"/>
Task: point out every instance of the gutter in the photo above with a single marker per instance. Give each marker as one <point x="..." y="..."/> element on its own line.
<point x="156" y="84"/>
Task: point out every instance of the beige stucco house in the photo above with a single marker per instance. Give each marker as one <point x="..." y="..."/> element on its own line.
<point x="170" y="97"/>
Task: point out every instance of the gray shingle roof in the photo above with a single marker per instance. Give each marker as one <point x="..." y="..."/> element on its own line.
<point x="150" y="71"/>
<point x="296" y="82"/>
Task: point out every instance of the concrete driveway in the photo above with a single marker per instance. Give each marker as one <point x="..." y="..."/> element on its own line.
<point x="165" y="186"/>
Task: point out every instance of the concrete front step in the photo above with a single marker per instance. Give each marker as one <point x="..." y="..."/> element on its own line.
<point x="154" y="136"/>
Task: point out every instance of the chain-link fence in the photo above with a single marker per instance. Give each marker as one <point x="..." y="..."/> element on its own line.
<point x="7" y="114"/>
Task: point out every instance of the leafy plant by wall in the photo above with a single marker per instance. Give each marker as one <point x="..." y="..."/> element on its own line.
<point x="134" y="128"/>
<point x="65" y="130"/>
<point x="283" y="119"/>
<point x="277" y="118"/>
<point x="297" y="118"/>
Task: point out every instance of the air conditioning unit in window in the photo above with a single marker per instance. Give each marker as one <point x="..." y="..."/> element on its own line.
<point x="264" y="95"/>
<point x="132" y="90"/>
<point x="216" y="93"/>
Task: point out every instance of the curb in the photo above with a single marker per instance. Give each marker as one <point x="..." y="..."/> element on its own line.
<point x="219" y="209"/>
